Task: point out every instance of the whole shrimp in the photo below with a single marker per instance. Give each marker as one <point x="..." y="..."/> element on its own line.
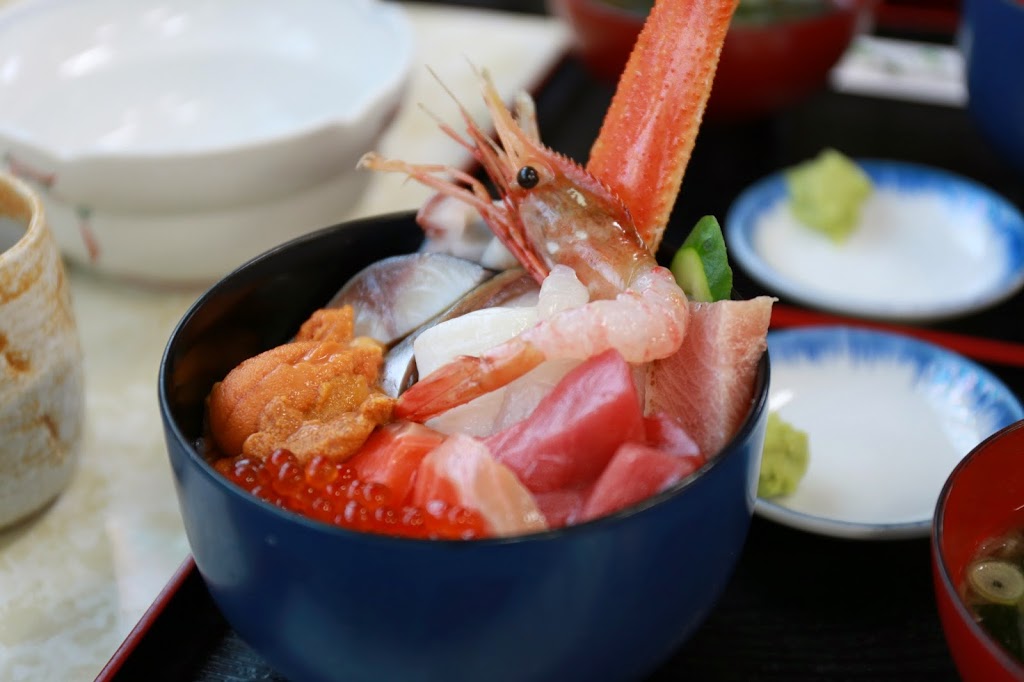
<point x="551" y="211"/>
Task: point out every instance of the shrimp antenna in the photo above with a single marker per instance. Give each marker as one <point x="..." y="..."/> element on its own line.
<point x="451" y="94"/>
<point x="471" y="122"/>
<point x="447" y="129"/>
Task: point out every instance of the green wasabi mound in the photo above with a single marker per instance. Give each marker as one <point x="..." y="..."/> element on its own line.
<point x="701" y="265"/>
<point x="826" y="193"/>
<point x="785" y="458"/>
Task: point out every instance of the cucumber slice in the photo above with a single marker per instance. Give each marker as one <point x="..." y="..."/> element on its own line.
<point x="701" y="265"/>
<point x="689" y="273"/>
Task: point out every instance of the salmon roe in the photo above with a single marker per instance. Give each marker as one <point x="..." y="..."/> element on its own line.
<point x="330" y="492"/>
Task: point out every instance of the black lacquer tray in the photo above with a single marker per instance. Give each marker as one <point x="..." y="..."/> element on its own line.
<point x="799" y="606"/>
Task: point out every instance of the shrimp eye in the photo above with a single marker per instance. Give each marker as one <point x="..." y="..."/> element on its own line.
<point x="527" y="177"/>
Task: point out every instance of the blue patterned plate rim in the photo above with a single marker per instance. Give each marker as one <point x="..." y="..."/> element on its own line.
<point x="823" y="344"/>
<point x="1004" y="218"/>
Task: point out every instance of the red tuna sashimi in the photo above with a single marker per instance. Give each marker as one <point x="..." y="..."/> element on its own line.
<point x="708" y="383"/>
<point x="561" y="507"/>
<point x="565" y="507"/>
<point x="393" y="453"/>
<point x="461" y="471"/>
<point x="636" y="472"/>
<point x="572" y="434"/>
<point x="665" y="433"/>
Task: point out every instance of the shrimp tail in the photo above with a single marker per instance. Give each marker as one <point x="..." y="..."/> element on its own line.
<point x="624" y="323"/>
<point x="466" y="378"/>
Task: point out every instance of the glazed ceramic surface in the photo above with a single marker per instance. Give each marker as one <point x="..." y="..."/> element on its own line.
<point x="929" y="245"/>
<point x="887" y="418"/>
<point x="608" y="599"/>
<point x="41" y="382"/>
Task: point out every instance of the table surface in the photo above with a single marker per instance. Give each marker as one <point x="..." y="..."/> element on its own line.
<point x="798" y="607"/>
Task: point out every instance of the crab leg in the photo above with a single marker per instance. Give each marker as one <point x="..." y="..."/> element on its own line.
<point x="651" y="126"/>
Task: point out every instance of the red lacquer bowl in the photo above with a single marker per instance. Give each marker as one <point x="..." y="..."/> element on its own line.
<point x="983" y="498"/>
<point x="764" y="67"/>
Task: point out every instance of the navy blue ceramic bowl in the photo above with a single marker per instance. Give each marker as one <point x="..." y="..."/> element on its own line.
<point x="992" y="42"/>
<point x="605" y="600"/>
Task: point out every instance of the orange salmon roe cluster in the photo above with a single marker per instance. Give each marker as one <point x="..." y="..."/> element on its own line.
<point x="330" y="492"/>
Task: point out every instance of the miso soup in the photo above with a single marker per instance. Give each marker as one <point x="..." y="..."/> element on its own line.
<point x="994" y="589"/>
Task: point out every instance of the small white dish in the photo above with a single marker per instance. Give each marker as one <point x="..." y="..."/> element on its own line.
<point x="930" y="245"/>
<point x="142" y="113"/>
<point x="888" y="417"/>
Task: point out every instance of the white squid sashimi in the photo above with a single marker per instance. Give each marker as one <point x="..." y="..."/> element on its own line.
<point x="499" y="409"/>
<point x="521" y="397"/>
<point x="469" y="334"/>
<point x="475" y="333"/>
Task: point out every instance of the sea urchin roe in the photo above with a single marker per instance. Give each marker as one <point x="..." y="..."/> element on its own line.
<point x="329" y="491"/>
<point x="314" y="395"/>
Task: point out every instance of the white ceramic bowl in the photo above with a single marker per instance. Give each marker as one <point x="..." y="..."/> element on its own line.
<point x="139" y="114"/>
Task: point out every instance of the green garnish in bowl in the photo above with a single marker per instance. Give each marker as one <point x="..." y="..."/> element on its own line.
<point x="701" y="265"/>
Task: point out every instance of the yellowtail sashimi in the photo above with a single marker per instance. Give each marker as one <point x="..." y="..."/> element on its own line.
<point x="707" y="385"/>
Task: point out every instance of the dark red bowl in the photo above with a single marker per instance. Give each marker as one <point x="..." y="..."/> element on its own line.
<point x="982" y="498"/>
<point x="764" y="67"/>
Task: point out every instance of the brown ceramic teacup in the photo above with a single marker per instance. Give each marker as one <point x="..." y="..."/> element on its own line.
<point x="41" y="379"/>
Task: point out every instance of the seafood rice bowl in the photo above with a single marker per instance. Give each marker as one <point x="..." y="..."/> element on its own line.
<point x="608" y="599"/>
<point x="494" y="439"/>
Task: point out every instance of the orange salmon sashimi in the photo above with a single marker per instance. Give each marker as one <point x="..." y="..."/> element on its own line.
<point x="393" y="453"/>
<point x="461" y="472"/>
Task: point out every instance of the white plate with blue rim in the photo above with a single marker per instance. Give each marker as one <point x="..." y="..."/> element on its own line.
<point x="887" y="417"/>
<point x="929" y="245"/>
